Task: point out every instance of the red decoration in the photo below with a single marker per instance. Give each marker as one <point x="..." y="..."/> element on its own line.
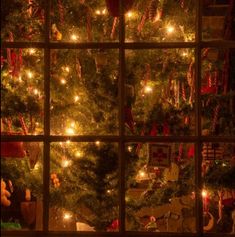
<point x="208" y="90"/>
<point x="166" y="129"/>
<point x="129" y="118"/>
<point x="191" y="151"/>
<point x="153" y="131"/>
<point x="114" y="226"/>
<point x="113" y="6"/>
<point x="12" y="149"/>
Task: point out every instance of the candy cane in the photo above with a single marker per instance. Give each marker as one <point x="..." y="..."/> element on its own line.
<point x="61" y="12"/>
<point x="115" y="21"/>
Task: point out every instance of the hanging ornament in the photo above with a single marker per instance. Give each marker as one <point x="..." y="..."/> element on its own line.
<point x="28" y="212"/>
<point x="152" y="225"/>
<point x="61" y="12"/>
<point x="114" y="226"/>
<point x="212" y="151"/>
<point x="101" y="61"/>
<point x="5" y="195"/>
<point x="33" y="151"/>
<point x="210" y="223"/>
<point x="115" y="23"/>
<point x="55" y="180"/>
<point x="129" y="121"/>
<point x="191" y="151"/>
<point x="56" y="35"/>
<point x="166" y="129"/>
<point x="153" y="9"/>
<point x="113" y="6"/>
<point x="153" y="131"/>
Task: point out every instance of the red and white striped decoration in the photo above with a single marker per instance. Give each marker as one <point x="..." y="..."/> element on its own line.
<point x="183" y="91"/>
<point x="61" y="11"/>
<point x="115" y="22"/>
<point x="212" y="151"/>
<point x="215" y="117"/>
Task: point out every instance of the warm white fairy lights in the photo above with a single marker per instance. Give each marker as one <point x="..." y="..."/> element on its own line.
<point x="66" y="163"/>
<point x="76" y="98"/>
<point x="170" y="29"/>
<point x="67" y="216"/>
<point x="148" y="89"/>
<point x="74" y="37"/>
<point x="62" y="81"/>
<point x="29" y="74"/>
<point x="97" y="143"/>
<point x="32" y="51"/>
<point x="69" y="131"/>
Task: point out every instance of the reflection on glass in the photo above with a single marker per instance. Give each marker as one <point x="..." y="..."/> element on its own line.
<point x="217" y="20"/>
<point x="82" y="21"/>
<point x="161" y="20"/>
<point x="217" y="92"/>
<point x="84" y="187"/>
<point x="84" y="92"/>
<point x="21" y="185"/>
<point x="22" y="91"/>
<point x="218" y="194"/>
<point x="22" y="20"/>
<point x="160" y="92"/>
<point x="160" y="187"/>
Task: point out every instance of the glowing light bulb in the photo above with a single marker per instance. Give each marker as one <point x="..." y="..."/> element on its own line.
<point x="170" y="29"/>
<point x="67" y="216"/>
<point x="98" y="12"/>
<point x="129" y="14"/>
<point x="104" y="11"/>
<point x="76" y="98"/>
<point x="78" y="154"/>
<point x="70" y="131"/>
<point x="109" y="191"/>
<point x="32" y="51"/>
<point x="142" y="173"/>
<point x="20" y="79"/>
<point x="74" y="37"/>
<point x="65" y="163"/>
<point x="97" y="143"/>
<point x="62" y="81"/>
<point x="148" y="89"/>
<point x="184" y="54"/>
<point x="67" y="69"/>
<point x="36" y="167"/>
<point x="129" y="148"/>
<point x="72" y="125"/>
<point x="36" y="91"/>
<point x="204" y="193"/>
<point x="29" y="74"/>
<point x="68" y="142"/>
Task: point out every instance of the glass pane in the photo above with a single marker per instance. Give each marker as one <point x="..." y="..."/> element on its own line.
<point x="84" y="92"/>
<point x="160" y="194"/>
<point x="21" y="185"/>
<point x="161" y="21"/>
<point x="83" y="21"/>
<point x="218" y="194"/>
<point x="217" y="20"/>
<point x="160" y="92"/>
<point x="22" y="95"/>
<point x="84" y="187"/>
<point x="218" y="91"/>
<point x="22" y="20"/>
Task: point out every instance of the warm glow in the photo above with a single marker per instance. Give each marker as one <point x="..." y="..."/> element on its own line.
<point x="70" y="131"/>
<point x="97" y="143"/>
<point x="68" y="142"/>
<point x="184" y="54"/>
<point x="170" y="29"/>
<point x="36" y="91"/>
<point x="204" y="193"/>
<point x="129" y="14"/>
<point x="76" y="98"/>
<point x="32" y="51"/>
<point x="67" y="216"/>
<point x="29" y="74"/>
<point x="62" y="81"/>
<point x="67" y="69"/>
<point x="20" y="79"/>
<point x="78" y="154"/>
<point x="142" y="173"/>
<point x="98" y="12"/>
<point x="104" y="11"/>
<point x="129" y="148"/>
<point x="65" y="163"/>
<point x="74" y="37"/>
<point x="148" y="89"/>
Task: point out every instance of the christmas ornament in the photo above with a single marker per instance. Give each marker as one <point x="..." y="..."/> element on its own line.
<point x="113" y="6"/>
<point x="27" y="194"/>
<point x="114" y="226"/>
<point x="172" y="173"/>
<point x="12" y="149"/>
<point x="101" y="61"/>
<point x="153" y="9"/>
<point x="55" y="180"/>
<point x="5" y="194"/>
<point x="129" y="121"/>
<point x="152" y="225"/>
<point x="56" y="35"/>
<point x="211" y="221"/>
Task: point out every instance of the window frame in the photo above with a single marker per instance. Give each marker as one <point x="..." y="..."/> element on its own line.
<point x="121" y="138"/>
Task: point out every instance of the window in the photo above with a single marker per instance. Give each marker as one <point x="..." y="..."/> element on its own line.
<point x="117" y="124"/>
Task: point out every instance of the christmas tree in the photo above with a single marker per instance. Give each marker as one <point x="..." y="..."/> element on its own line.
<point x="85" y="88"/>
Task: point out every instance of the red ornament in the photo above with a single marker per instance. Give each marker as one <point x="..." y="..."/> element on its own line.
<point x="113" y="6"/>
<point x="12" y="149"/>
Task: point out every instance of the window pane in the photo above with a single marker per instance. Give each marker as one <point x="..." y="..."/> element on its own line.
<point x="22" y="91"/>
<point x="84" y="92"/>
<point x="218" y="92"/>
<point x="21" y="185"/>
<point x="83" y="21"/>
<point x="161" y="21"/>
<point x="22" y="20"/>
<point x="160" y="194"/>
<point x="84" y="187"/>
<point x="218" y="194"/>
<point x="217" y="20"/>
<point x="160" y="92"/>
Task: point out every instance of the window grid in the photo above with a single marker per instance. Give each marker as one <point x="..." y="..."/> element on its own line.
<point x="46" y="139"/>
